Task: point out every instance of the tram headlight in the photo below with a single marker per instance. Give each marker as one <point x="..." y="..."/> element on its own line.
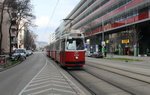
<point x="76" y="57"/>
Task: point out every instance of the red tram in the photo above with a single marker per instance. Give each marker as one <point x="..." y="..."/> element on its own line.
<point x="68" y="50"/>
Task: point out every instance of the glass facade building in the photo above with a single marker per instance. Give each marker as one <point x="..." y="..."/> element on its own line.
<point x="122" y="25"/>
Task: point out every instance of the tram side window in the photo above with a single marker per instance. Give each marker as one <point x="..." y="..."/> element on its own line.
<point x="80" y="44"/>
<point x="63" y="45"/>
<point x="56" y="46"/>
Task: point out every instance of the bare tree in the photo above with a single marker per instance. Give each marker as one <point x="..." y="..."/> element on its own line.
<point x="19" y="10"/>
<point x="30" y="38"/>
<point x="24" y="12"/>
<point x="135" y="35"/>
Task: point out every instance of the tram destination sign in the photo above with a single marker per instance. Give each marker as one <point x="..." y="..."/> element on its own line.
<point x="125" y="41"/>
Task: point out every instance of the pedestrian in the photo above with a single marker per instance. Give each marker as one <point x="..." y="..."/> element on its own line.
<point x="103" y="51"/>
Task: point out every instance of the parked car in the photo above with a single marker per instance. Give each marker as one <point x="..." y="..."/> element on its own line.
<point x="29" y="52"/>
<point x="19" y="53"/>
<point x="148" y="54"/>
<point x="88" y="53"/>
<point x="97" y="55"/>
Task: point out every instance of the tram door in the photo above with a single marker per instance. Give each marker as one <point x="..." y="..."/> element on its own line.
<point x="62" y="53"/>
<point x="126" y="51"/>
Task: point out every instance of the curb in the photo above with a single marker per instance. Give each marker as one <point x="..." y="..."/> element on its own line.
<point x="3" y="69"/>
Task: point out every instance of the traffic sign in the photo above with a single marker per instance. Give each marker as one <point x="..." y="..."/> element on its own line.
<point x="103" y="43"/>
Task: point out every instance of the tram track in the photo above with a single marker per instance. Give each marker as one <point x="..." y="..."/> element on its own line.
<point x="130" y="74"/>
<point x="133" y="85"/>
<point x="112" y="83"/>
<point x="93" y="92"/>
<point x="123" y="69"/>
<point x="139" y="79"/>
<point x="84" y="85"/>
<point x="94" y="76"/>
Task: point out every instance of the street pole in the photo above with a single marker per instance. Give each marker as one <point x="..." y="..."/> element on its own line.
<point x="103" y="42"/>
<point x="102" y="30"/>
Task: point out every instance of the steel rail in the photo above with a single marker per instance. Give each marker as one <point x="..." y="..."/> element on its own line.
<point x="112" y="83"/>
<point x="91" y="91"/>
<point x="119" y="69"/>
<point x="135" y="76"/>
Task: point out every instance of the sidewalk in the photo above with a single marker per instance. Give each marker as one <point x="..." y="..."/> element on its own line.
<point x="144" y="58"/>
<point x="8" y="63"/>
<point x="3" y="61"/>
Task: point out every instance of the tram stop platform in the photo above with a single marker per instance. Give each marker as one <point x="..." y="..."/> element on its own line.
<point x="52" y="80"/>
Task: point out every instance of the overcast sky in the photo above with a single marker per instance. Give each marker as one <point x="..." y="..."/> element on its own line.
<point x="47" y="19"/>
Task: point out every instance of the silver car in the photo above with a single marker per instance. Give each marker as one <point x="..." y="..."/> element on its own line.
<point x="88" y="54"/>
<point x="29" y="52"/>
<point x="17" y="53"/>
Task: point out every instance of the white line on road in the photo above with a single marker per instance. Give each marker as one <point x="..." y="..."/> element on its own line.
<point x="80" y="91"/>
<point x="32" y="79"/>
<point x="54" y="77"/>
<point x="31" y="85"/>
<point x="35" y="88"/>
<point x="31" y="89"/>
<point x="41" y="91"/>
<point x="46" y="79"/>
<point x="72" y="83"/>
<point x="49" y="75"/>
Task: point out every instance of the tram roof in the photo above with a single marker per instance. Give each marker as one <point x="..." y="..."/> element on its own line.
<point x="73" y="33"/>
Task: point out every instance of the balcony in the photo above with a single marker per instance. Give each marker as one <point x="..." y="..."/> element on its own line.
<point x="14" y="14"/>
<point x="14" y="27"/>
<point x="13" y="33"/>
<point x="14" y="40"/>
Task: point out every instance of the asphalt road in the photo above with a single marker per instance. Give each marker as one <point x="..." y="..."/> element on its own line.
<point x="13" y="80"/>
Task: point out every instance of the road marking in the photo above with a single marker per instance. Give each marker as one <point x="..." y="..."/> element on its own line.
<point x="50" y="75"/>
<point x="52" y="89"/>
<point x="32" y="79"/>
<point x="74" y="86"/>
<point x="39" y="78"/>
<point x="39" y="83"/>
<point x="62" y="86"/>
<point x="35" y="88"/>
<point x="62" y="90"/>
<point x="41" y="91"/>
<point x="46" y="79"/>
<point x="52" y="81"/>
<point x="81" y="92"/>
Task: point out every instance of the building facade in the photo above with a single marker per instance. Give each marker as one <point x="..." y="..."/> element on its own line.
<point x="21" y="34"/>
<point x="5" y="32"/>
<point x="121" y="26"/>
<point x="13" y="29"/>
<point x="52" y="37"/>
<point x="8" y="39"/>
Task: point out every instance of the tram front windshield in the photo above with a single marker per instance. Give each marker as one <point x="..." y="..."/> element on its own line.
<point x="75" y="44"/>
